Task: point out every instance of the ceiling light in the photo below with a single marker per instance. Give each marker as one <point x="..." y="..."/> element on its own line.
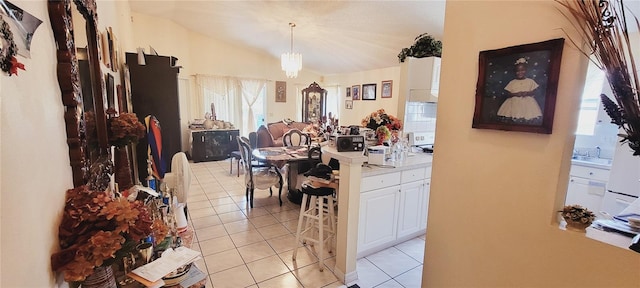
<point x="291" y="62"/>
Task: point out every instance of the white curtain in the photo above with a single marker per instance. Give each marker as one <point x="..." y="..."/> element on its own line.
<point x="223" y="93"/>
<point x="333" y="97"/>
<point x="251" y="90"/>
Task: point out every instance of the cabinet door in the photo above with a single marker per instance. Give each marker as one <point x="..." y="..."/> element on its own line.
<point x="198" y="146"/>
<point x="378" y="217"/>
<point x="217" y="143"/>
<point x="411" y="206"/>
<point x="425" y="204"/>
<point x="585" y="192"/>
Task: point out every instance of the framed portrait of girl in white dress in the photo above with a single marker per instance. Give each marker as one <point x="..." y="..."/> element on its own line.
<point x="517" y="86"/>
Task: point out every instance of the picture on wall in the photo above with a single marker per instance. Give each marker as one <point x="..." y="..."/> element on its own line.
<point x="348" y="104"/>
<point x="281" y="91"/>
<point x="22" y="25"/>
<point x="386" y="89"/>
<point x="368" y="91"/>
<point x="516" y="89"/>
<point x="355" y="92"/>
<point x="348" y="92"/>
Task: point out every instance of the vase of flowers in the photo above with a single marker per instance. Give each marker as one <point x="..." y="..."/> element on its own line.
<point x="385" y="125"/>
<point x="97" y="230"/>
<point x="124" y="129"/>
<point x="577" y="217"/>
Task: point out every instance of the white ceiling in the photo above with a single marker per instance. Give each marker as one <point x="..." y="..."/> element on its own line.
<point x="332" y="36"/>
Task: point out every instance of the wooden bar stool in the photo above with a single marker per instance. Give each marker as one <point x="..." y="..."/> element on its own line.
<point x="317" y="222"/>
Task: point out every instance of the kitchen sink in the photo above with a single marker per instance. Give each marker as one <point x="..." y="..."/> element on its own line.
<point x="594" y="160"/>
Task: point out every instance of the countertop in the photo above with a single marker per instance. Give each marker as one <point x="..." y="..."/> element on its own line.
<point x="600" y="164"/>
<point x="415" y="160"/>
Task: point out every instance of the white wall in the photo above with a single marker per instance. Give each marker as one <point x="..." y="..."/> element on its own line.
<point x="494" y="196"/>
<point x="35" y="169"/>
<point x="199" y="54"/>
<point x="362" y="108"/>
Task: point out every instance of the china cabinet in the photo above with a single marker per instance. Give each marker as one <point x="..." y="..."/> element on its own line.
<point x="315" y="102"/>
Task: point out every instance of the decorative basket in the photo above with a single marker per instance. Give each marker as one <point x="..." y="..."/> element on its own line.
<point x="576" y="226"/>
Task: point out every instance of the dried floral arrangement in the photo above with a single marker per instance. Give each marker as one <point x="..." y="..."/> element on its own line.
<point x="124" y="129"/>
<point x="577" y="213"/>
<point x="98" y="229"/>
<point x="602" y="25"/>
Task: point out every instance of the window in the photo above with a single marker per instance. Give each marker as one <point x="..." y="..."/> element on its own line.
<point x="333" y="95"/>
<point x="239" y="101"/>
<point x="590" y="101"/>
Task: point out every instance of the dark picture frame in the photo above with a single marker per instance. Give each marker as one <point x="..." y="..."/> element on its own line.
<point x="369" y="91"/>
<point x="355" y="92"/>
<point x="517" y="86"/>
<point x="348" y="92"/>
<point x="386" y="89"/>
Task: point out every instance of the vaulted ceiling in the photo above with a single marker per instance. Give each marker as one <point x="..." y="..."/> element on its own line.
<point x="332" y="36"/>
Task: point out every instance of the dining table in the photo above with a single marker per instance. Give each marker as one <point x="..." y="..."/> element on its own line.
<point x="294" y="159"/>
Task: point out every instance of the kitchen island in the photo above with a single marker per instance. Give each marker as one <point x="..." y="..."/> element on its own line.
<point x="385" y="205"/>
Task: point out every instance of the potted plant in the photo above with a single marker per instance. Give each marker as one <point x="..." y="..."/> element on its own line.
<point x="577" y="217"/>
<point x="424" y="46"/>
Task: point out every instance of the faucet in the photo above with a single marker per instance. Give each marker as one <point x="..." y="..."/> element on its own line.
<point x="598" y="151"/>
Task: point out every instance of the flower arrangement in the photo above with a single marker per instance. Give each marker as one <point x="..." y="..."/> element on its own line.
<point x="577" y="214"/>
<point x="602" y="26"/>
<point x="385" y="125"/>
<point x="381" y="118"/>
<point x="124" y="129"/>
<point x="98" y="229"/>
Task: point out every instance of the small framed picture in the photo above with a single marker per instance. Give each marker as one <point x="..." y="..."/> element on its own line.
<point x="355" y="92"/>
<point x="348" y="92"/>
<point x="348" y="104"/>
<point x="281" y="91"/>
<point x="516" y="89"/>
<point x="386" y="89"/>
<point x="369" y="91"/>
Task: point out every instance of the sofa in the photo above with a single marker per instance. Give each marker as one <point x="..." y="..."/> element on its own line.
<point x="271" y="134"/>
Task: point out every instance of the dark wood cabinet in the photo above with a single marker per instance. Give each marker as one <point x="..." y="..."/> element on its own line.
<point x="213" y="145"/>
<point x="154" y="91"/>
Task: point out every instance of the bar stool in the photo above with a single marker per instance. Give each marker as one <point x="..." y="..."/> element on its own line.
<point x="317" y="222"/>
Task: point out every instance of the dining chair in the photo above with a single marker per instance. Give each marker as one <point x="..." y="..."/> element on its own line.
<point x="258" y="175"/>
<point x="295" y="137"/>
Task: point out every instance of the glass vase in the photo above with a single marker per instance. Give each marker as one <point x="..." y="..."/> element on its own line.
<point x="102" y="277"/>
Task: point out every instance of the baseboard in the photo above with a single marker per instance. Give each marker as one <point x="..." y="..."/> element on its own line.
<point x="351" y="278"/>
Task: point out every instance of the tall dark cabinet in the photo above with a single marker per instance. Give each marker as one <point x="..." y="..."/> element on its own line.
<point x="154" y="91"/>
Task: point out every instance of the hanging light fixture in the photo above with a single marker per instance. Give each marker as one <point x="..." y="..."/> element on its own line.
<point x="291" y="62"/>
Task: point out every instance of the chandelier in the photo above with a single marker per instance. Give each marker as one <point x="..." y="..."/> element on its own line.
<point x="291" y="62"/>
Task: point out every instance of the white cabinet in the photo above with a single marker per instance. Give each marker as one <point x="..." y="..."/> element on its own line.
<point x="586" y="193"/>
<point x="587" y="187"/>
<point x="378" y="217"/>
<point x="411" y="205"/>
<point x="394" y="213"/>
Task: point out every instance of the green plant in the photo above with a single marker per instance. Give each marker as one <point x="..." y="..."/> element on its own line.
<point x="424" y="46"/>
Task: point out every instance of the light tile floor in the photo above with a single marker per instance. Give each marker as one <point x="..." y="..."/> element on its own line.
<point x="252" y="247"/>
